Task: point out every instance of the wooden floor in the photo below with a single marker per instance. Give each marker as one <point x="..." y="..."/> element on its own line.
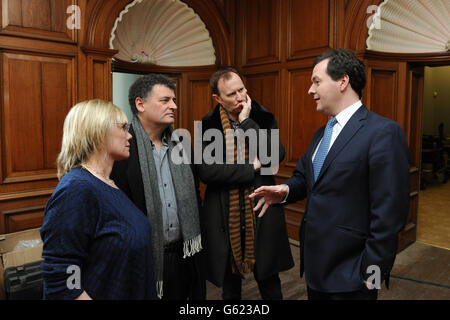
<point x="433" y="221"/>
<point x="420" y="272"/>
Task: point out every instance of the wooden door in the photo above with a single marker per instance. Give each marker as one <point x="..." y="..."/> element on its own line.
<point x="414" y="103"/>
<point x="395" y="90"/>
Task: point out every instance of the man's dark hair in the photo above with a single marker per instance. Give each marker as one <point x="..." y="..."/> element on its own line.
<point x="343" y="62"/>
<point x="224" y="73"/>
<point x="143" y="86"/>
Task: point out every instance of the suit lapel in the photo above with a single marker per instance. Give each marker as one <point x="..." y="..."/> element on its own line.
<point x="350" y="129"/>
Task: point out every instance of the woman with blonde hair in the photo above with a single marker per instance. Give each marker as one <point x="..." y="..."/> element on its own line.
<point x="97" y="243"/>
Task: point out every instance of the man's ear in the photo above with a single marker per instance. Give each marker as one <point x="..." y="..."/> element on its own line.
<point x="217" y="98"/>
<point x="139" y="102"/>
<point x="344" y="82"/>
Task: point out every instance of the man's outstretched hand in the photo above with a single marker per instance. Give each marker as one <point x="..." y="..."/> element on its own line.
<point x="270" y="195"/>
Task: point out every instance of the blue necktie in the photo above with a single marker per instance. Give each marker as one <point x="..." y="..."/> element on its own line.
<point x="323" y="148"/>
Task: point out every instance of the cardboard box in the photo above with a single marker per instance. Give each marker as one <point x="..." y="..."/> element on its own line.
<point x="10" y="258"/>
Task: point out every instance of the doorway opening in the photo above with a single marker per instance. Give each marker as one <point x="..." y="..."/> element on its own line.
<point x="434" y="199"/>
<point x="121" y="85"/>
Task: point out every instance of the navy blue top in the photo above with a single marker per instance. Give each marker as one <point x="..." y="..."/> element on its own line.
<point x="91" y="225"/>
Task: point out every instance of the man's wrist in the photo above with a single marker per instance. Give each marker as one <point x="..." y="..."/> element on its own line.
<point x="287" y="193"/>
<point x="242" y="121"/>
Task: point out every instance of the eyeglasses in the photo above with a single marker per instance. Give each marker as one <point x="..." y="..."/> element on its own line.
<point x="124" y="126"/>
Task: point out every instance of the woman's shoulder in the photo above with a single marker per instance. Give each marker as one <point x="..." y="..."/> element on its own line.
<point x="78" y="179"/>
<point x="74" y="200"/>
<point x="77" y="184"/>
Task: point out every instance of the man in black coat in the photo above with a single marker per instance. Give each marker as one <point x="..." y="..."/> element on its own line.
<point x="236" y="241"/>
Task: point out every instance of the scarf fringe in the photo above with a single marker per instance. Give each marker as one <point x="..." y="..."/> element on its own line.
<point x="159" y="289"/>
<point x="192" y="246"/>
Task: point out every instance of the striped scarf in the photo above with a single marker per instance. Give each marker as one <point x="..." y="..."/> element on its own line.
<point x="239" y="264"/>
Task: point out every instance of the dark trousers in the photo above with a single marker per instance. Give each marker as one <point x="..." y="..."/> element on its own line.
<point x="270" y="288"/>
<point x="363" y="294"/>
<point x="177" y="273"/>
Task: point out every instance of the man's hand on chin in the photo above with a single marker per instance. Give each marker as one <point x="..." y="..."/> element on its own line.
<point x="246" y="108"/>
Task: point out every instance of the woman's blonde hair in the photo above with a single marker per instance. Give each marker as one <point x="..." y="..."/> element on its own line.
<point x="85" y="129"/>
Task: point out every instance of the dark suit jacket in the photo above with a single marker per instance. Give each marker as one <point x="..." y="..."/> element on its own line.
<point x="356" y="207"/>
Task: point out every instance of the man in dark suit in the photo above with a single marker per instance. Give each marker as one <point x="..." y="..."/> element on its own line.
<point x="355" y="175"/>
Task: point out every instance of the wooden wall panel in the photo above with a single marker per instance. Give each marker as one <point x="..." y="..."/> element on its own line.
<point x="100" y="86"/>
<point x="383" y="89"/>
<point x="99" y="78"/>
<point x="56" y="101"/>
<point x="304" y="119"/>
<point x="12" y="13"/>
<point x="23" y="117"/>
<point x="201" y="100"/>
<point x="36" y="14"/>
<point x="198" y="101"/>
<point x="22" y="218"/>
<point x="38" y="92"/>
<point x="226" y="7"/>
<point x="38" y="18"/>
<point x="308" y="27"/>
<point x="25" y="203"/>
<point x="260" y="30"/>
<point x="265" y="88"/>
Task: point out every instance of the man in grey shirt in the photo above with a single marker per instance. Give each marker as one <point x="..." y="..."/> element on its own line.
<point x="167" y="192"/>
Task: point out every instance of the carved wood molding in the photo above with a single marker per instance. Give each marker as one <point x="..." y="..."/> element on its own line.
<point x="140" y="68"/>
<point x="103" y="13"/>
<point x="37" y="46"/>
<point x="23" y="210"/>
<point x="420" y="58"/>
<point x="356" y="30"/>
<point x="99" y="51"/>
<point x="26" y="194"/>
